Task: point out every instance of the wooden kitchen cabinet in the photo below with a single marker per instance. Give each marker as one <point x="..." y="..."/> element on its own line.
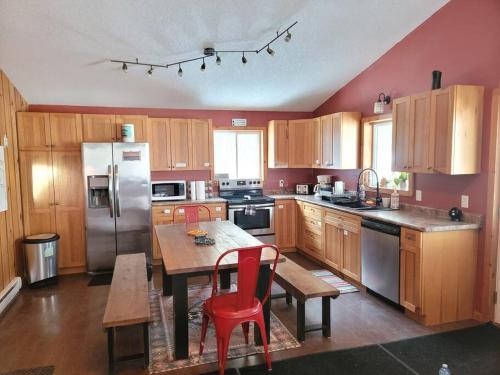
<point x="351" y="253"/>
<point x="333" y="244"/>
<point x="159" y="144"/>
<point x="180" y="143"/>
<point x="201" y="144"/>
<point x="299" y="234"/>
<point x="33" y="131"/>
<point x="278" y="144"/>
<point x="99" y="128"/>
<point x="285" y="223"/>
<point x="326" y="141"/>
<point x="300" y="143"/>
<point x="316" y="143"/>
<point x="409" y="270"/>
<point x="340" y="140"/>
<point x="312" y="231"/>
<point x="140" y="126"/>
<point x="400" y="133"/>
<point x="66" y="131"/>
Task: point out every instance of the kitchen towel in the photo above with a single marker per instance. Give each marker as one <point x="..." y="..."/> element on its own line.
<point x="200" y="190"/>
<point x="250" y="210"/>
<point x="193" y="190"/>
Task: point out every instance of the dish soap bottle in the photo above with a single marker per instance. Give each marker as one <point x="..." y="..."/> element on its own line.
<point x="362" y="192"/>
<point x="395" y="200"/>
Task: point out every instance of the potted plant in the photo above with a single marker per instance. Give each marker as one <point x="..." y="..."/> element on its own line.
<point x="403" y="180"/>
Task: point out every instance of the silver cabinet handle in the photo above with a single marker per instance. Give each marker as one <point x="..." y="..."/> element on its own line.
<point x="117" y="191"/>
<point x="110" y="192"/>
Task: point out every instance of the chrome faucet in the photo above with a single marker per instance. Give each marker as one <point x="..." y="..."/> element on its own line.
<point x="378" y="198"/>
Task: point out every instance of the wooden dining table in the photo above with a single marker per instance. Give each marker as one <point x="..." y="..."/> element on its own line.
<point x="182" y="258"/>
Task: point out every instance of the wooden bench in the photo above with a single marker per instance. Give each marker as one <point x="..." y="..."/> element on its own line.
<point x="128" y="303"/>
<point x="303" y="285"/>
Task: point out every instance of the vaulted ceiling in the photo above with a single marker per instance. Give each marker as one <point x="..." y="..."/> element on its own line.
<point x="58" y="51"/>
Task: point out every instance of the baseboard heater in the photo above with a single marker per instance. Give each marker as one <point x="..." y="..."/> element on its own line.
<point x="9" y="293"/>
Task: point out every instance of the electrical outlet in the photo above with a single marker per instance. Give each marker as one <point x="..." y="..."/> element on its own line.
<point x="282" y="183"/>
<point x="465" y="201"/>
<point x="418" y="195"/>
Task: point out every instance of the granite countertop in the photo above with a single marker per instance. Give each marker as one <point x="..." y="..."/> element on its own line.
<point x="423" y="219"/>
<point x="189" y="201"/>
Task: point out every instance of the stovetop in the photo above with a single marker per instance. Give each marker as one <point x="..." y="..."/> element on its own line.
<point x="245" y="191"/>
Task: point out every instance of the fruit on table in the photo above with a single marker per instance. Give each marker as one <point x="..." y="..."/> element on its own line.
<point x="197" y="232"/>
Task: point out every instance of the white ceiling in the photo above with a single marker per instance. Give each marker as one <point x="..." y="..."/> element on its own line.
<point x="58" y="51"/>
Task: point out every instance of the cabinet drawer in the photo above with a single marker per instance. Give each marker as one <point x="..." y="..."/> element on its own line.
<point x="312" y="241"/>
<point x="313" y="225"/>
<point x="164" y="212"/>
<point x="312" y="211"/>
<point x="216" y="208"/>
<point x="411" y="238"/>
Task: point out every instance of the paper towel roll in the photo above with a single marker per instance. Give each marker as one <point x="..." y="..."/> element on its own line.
<point x="200" y="190"/>
<point x="193" y="190"/>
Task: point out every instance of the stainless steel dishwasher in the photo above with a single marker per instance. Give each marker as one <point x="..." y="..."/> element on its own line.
<point x="380" y="258"/>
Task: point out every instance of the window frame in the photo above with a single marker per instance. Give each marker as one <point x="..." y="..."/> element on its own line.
<point x="367" y="154"/>
<point x="263" y="144"/>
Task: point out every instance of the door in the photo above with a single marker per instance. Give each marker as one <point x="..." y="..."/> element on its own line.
<point x="68" y="195"/>
<point x="284" y="223"/>
<point x="441" y="127"/>
<point x="201" y="144"/>
<point x="400" y="133"/>
<point x="418" y="147"/>
<point x="337" y="140"/>
<point x="409" y="285"/>
<point x="180" y="144"/>
<point x="159" y="144"/>
<point x="140" y="126"/>
<point x="99" y="128"/>
<point x="37" y="191"/>
<point x="100" y="233"/>
<point x="333" y="245"/>
<point x="351" y="255"/>
<point x="66" y="131"/>
<point x="132" y="189"/>
<point x="299" y="144"/>
<point x="299" y="211"/>
<point x="326" y="141"/>
<point x="33" y="131"/>
<point x="316" y="149"/>
<point x="278" y="144"/>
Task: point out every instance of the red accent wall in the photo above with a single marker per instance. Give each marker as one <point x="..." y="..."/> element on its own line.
<point x="462" y="40"/>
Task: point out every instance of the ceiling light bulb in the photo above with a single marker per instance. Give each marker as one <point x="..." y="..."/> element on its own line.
<point x="179" y="72"/>
<point x="288" y="36"/>
<point x="203" y="66"/>
<point x="244" y="59"/>
<point x="218" y="60"/>
<point x="270" y="51"/>
<point x="150" y="71"/>
<point x="124" y="67"/>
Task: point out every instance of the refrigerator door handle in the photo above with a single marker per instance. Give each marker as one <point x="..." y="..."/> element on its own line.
<point x="117" y="191"/>
<point x="110" y="192"/>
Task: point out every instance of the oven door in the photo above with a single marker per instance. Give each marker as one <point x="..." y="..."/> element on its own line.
<point x="262" y="223"/>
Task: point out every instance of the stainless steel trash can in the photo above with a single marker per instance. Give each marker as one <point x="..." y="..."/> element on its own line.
<point x="40" y="254"/>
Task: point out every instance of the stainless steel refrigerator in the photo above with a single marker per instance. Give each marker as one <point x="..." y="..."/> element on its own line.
<point x="118" y="202"/>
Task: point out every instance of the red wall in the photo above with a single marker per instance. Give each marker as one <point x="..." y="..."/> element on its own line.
<point x="462" y="40"/>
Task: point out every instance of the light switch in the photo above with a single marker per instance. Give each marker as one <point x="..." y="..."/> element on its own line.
<point x="418" y="195"/>
<point x="465" y="201"/>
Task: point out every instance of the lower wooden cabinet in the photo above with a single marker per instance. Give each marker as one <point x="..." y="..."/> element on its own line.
<point x="299" y="232"/>
<point x="285" y="223"/>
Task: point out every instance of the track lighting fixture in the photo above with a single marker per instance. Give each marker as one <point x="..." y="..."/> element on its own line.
<point x="209" y="52"/>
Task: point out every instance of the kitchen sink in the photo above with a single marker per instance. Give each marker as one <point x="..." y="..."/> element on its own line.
<point x="356" y="205"/>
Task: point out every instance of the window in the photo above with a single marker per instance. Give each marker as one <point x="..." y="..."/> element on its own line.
<point x="379" y="150"/>
<point x="238" y="153"/>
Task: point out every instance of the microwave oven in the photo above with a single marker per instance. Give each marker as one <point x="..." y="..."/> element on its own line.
<point x="168" y="190"/>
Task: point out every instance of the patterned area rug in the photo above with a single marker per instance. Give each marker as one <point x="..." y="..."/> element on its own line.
<point x="48" y="370"/>
<point x="162" y="340"/>
<point x="342" y="285"/>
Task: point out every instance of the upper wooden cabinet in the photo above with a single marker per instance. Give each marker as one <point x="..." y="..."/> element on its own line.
<point x="66" y="131"/>
<point x="300" y="143"/>
<point x="438" y="131"/>
<point x="201" y="144"/>
<point x="316" y="143"/>
<point x="180" y="130"/>
<point x="140" y="126"/>
<point x="278" y="144"/>
<point x="33" y="131"/>
<point x="159" y="144"/>
<point x="99" y="128"/>
<point x="326" y="141"/>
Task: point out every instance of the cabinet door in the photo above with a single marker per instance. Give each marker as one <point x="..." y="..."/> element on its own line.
<point x="326" y="141"/>
<point x="33" y="131"/>
<point x="159" y="144"/>
<point x="69" y="203"/>
<point x="201" y="144"/>
<point x="419" y="150"/>
<point x="351" y="255"/>
<point x="180" y="144"/>
<point x="441" y="126"/>
<point x="160" y="215"/>
<point x="285" y="223"/>
<point x="140" y="126"/>
<point x="409" y="279"/>
<point x="299" y="144"/>
<point x="299" y="236"/>
<point x="37" y="191"/>
<point x="278" y="144"/>
<point x="316" y="151"/>
<point x="66" y="131"/>
<point x="99" y="128"/>
<point x="337" y="140"/>
<point x="400" y="133"/>
<point x="333" y="236"/>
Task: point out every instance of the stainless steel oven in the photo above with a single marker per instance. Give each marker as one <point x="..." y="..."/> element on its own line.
<point x="260" y="223"/>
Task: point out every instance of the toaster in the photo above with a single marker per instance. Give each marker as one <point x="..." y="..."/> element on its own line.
<point x="304" y="189"/>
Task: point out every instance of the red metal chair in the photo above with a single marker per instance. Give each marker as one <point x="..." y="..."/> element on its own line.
<point x="191" y="213"/>
<point x="241" y="307"/>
